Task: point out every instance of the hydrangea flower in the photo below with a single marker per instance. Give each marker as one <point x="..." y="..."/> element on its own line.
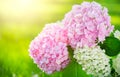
<point x="117" y="34"/>
<point x="116" y="64"/>
<point x="93" y="60"/>
<point x="86" y="24"/>
<point x="49" y="49"/>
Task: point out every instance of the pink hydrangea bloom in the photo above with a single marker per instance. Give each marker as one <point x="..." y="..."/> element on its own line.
<point x="49" y="49"/>
<point x="87" y="23"/>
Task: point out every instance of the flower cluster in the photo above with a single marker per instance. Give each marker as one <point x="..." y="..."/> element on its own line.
<point x="87" y="24"/>
<point x="116" y="64"/>
<point x="83" y="28"/>
<point x="48" y="50"/>
<point x="93" y="60"/>
<point x="116" y="61"/>
<point x="117" y="34"/>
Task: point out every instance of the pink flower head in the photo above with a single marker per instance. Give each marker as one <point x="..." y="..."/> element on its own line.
<point x="87" y="23"/>
<point x="49" y="49"/>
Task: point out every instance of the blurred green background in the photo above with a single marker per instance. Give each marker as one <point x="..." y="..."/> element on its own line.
<point x="22" y="20"/>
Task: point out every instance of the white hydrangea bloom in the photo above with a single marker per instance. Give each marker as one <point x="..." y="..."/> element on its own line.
<point x="93" y="60"/>
<point x="116" y="64"/>
<point x="117" y="34"/>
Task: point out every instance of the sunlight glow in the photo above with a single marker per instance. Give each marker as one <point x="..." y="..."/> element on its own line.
<point x="22" y="9"/>
<point x="29" y="11"/>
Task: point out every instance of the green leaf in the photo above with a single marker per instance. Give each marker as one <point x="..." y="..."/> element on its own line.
<point x="73" y="69"/>
<point x="111" y="46"/>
